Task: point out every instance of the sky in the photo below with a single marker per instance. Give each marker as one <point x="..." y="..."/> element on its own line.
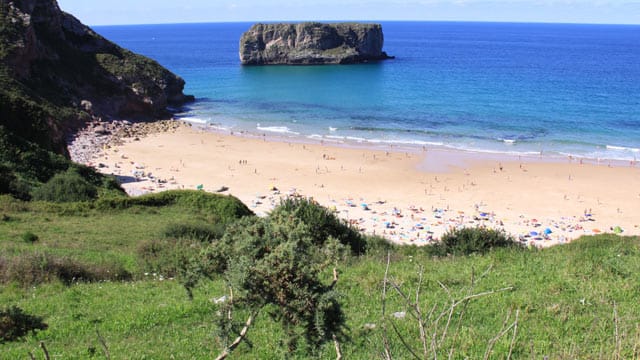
<point x="118" y="12"/>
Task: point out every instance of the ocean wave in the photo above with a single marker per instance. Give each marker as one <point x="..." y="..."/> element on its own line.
<point x="194" y="120"/>
<point x="406" y="142"/>
<point x="508" y="141"/>
<point x="490" y="151"/>
<point x="346" y="138"/>
<point x="623" y="148"/>
<point x="277" y="129"/>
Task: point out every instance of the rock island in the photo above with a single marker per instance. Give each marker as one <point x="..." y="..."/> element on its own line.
<point x="312" y="43"/>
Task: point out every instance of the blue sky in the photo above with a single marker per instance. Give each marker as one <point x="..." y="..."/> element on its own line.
<point x="115" y="12"/>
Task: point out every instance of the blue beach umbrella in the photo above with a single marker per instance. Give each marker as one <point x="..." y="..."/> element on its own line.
<point x="547" y="231"/>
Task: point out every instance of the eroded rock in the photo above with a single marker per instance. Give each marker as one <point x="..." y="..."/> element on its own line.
<point x="312" y="43"/>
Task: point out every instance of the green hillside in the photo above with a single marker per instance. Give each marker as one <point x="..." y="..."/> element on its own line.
<point x="576" y="301"/>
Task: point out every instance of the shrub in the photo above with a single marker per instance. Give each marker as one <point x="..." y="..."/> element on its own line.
<point x="322" y="222"/>
<point x="168" y="257"/>
<point x="15" y="323"/>
<point x="222" y="207"/>
<point x="466" y="241"/>
<point x="29" y="237"/>
<point x="66" y="187"/>
<point x="12" y="205"/>
<point x="37" y="268"/>
<point x="200" y="232"/>
<point x="12" y="184"/>
<point x="277" y="266"/>
<point x="182" y="243"/>
<point x="377" y="245"/>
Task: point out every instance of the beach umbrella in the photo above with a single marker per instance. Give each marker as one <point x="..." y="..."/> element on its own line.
<point x="617" y="230"/>
<point x="200" y="187"/>
<point x="547" y="231"/>
<point x="533" y="233"/>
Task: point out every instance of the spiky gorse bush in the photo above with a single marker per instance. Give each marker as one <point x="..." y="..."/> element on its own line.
<point x="471" y="240"/>
<point x="280" y="264"/>
<point x="15" y="323"/>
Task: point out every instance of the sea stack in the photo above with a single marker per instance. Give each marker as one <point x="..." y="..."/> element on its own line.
<point x="312" y="43"/>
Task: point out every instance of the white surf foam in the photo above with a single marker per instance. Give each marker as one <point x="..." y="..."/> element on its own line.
<point x="277" y="129"/>
<point x="622" y="148"/>
<point x="194" y="120"/>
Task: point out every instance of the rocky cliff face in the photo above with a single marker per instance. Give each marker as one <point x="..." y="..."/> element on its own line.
<point x="312" y="43"/>
<point x="83" y="64"/>
<point x="53" y="66"/>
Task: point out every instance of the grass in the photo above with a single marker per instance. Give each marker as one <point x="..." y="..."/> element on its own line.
<point x="572" y="299"/>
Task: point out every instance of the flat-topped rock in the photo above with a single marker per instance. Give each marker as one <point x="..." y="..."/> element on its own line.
<point x="312" y="43"/>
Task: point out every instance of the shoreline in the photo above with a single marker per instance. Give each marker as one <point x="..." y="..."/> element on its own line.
<point x="631" y="155"/>
<point x="408" y="146"/>
<point x="416" y="196"/>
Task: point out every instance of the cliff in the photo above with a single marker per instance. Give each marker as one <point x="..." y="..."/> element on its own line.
<point x="312" y="43"/>
<point x="58" y="73"/>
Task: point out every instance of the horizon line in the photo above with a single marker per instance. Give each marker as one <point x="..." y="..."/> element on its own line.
<point x="367" y="21"/>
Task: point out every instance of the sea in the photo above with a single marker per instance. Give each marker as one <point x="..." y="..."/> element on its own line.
<point x="512" y="88"/>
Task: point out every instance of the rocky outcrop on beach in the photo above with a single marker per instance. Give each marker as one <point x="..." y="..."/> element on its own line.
<point x="100" y="135"/>
<point x="312" y="43"/>
<point x="57" y="74"/>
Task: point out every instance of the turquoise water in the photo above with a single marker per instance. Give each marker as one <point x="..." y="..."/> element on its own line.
<point x="489" y="87"/>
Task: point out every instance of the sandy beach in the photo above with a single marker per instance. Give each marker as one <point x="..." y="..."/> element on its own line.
<point x="409" y="196"/>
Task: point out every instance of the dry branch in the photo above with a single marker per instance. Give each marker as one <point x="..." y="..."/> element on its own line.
<point x="240" y="338"/>
<point x="337" y="345"/>
<point x="385" y="337"/>
<point x="44" y="350"/>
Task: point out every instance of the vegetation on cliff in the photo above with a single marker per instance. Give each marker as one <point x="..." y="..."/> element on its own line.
<point x="57" y="75"/>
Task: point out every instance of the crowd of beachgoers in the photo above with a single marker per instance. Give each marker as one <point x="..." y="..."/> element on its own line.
<point x="152" y="157"/>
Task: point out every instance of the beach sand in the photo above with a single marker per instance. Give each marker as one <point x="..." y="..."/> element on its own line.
<point x="407" y="196"/>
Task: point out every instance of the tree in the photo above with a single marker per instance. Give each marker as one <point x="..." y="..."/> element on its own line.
<point x="276" y="264"/>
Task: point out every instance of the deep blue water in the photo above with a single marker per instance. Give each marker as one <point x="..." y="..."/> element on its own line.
<point x="499" y="87"/>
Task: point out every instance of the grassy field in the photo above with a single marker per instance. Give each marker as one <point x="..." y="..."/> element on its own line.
<point x="576" y="301"/>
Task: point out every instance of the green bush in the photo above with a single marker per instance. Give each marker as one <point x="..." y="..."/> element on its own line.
<point x="37" y="268"/>
<point x="15" y="323"/>
<point x="29" y="237"/>
<point x="467" y="241"/>
<point x="167" y="257"/>
<point x="10" y="183"/>
<point x="278" y="266"/>
<point x="224" y="208"/>
<point x="323" y="223"/>
<point x="200" y="232"/>
<point x="66" y="187"/>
